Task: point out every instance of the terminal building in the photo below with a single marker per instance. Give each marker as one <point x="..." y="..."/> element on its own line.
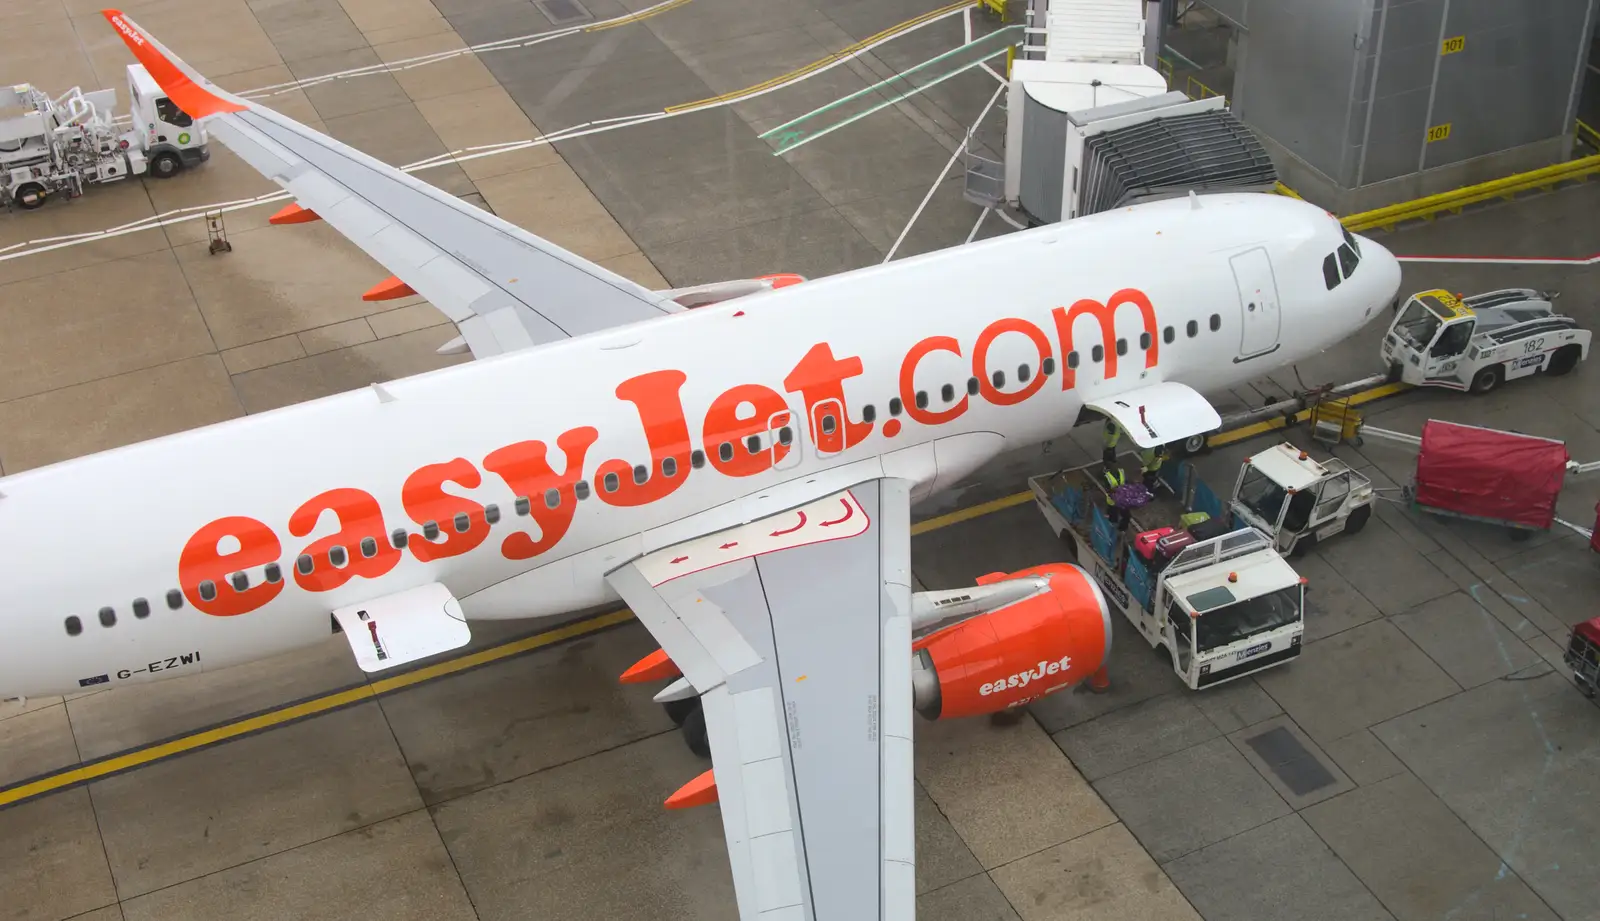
<point x="1365" y="103"/>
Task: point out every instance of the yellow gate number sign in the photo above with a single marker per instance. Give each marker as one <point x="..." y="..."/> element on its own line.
<point x="1438" y="132"/>
<point x="1452" y="45"/>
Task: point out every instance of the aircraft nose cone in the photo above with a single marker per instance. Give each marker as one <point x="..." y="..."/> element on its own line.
<point x="1383" y="274"/>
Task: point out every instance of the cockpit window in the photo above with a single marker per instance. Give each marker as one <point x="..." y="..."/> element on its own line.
<point x="1350" y="240"/>
<point x="1347" y="260"/>
<point x="1330" y="272"/>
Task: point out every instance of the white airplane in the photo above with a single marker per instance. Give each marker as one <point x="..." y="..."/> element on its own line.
<point x="740" y="474"/>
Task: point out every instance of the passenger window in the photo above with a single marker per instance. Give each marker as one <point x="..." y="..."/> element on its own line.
<point x="1347" y="260"/>
<point x="141" y="608"/>
<point x="948" y="391"/>
<point x="1022" y="373"/>
<point x="108" y="617"/>
<point x="462" y="523"/>
<point x="894" y="406"/>
<point x="1193" y="329"/>
<point x="304" y="564"/>
<point x="1072" y="359"/>
<point x="1047" y="367"/>
<point x="641" y="473"/>
<point x="240" y="581"/>
<point x="973" y="386"/>
<point x="922" y="399"/>
<point x="74" y="625"/>
<point x="208" y="590"/>
<point x="1169" y="334"/>
<point x="174" y="599"/>
<point x="868" y="414"/>
<point x="786" y="434"/>
<point x="552" y="498"/>
<point x="999" y="378"/>
<point x="669" y="467"/>
<point x="338" y="556"/>
<point x="491" y="513"/>
<point x="753" y="444"/>
<point x="1144" y="341"/>
<point x="581" y="489"/>
<point x="697" y="459"/>
<point x="369" y="547"/>
<point x="612" y="482"/>
<point x="1330" y="272"/>
<point x="273" y="572"/>
<point x="401" y="539"/>
<point x="1097" y="354"/>
<point x="829" y="423"/>
<point x="1216" y="322"/>
<point x="725" y="451"/>
<point x="1122" y="346"/>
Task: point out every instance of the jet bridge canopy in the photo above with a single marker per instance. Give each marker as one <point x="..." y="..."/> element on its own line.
<point x="1172" y="155"/>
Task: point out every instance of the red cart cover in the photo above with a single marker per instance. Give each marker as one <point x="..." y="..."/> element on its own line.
<point x="1594" y="536"/>
<point x="1589" y="630"/>
<point x="1490" y="474"/>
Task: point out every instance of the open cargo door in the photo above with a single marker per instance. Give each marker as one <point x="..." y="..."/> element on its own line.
<point x="1159" y="414"/>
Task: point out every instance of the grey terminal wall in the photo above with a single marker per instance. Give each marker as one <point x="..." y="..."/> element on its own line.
<point x="1346" y="94"/>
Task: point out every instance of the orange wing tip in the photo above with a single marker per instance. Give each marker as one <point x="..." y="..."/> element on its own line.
<point x="387" y="290"/>
<point x="194" y="99"/>
<point x="294" y="214"/>
<point x="656" y="666"/>
<point x="702" y="791"/>
<point x="782" y="279"/>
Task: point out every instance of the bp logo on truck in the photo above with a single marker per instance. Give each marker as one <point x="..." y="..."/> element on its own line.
<point x="183" y="138"/>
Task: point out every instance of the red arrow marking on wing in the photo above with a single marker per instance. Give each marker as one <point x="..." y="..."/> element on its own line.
<point x="849" y="512"/>
<point x="678" y="559"/>
<point x="793" y="529"/>
<point x="729" y="544"/>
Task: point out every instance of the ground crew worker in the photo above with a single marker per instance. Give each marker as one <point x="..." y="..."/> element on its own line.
<point x="1108" y="452"/>
<point x="1114" y="478"/>
<point x="1150" y="463"/>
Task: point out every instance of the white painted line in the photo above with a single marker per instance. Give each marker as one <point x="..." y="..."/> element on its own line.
<point x="1010" y="220"/>
<point x="960" y="149"/>
<point x="966" y="26"/>
<point x="1505" y="260"/>
<point x="978" y="223"/>
<point x="995" y="74"/>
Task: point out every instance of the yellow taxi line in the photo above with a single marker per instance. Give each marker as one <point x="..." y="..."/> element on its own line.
<point x="636" y="17"/>
<point x="331" y="701"/>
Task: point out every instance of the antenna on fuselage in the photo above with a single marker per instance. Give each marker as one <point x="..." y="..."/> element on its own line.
<point x="384" y="396"/>
<point x="1194" y="200"/>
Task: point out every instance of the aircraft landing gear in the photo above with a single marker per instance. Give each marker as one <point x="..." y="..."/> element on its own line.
<point x="694" y="732"/>
<point x="679" y="710"/>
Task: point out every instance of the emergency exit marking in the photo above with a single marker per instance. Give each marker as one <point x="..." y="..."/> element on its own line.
<point x="1452" y="45"/>
<point x="1439" y="132"/>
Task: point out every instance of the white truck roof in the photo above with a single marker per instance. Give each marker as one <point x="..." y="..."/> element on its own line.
<point x="143" y="82"/>
<point x="1259" y="573"/>
<point x="1288" y="466"/>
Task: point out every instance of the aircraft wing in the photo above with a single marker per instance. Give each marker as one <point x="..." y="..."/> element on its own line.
<point x="796" y="632"/>
<point x="503" y="287"/>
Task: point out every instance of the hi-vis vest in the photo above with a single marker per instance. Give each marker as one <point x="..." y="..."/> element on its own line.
<point x="1114" y="478"/>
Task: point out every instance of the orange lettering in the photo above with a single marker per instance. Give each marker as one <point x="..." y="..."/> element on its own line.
<point x="908" y="381"/>
<point x="360" y="519"/>
<point x="1106" y="314"/>
<point x="980" y="360"/>
<point x="526" y="470"/>
<point x="426" y="502"/>
<point x="202" y="562"/>
<point x="665" y="430"/>
<point x="724" y="425"/>
<point x="819" y="379"/>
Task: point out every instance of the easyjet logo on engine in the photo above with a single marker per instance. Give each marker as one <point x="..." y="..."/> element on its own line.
<point x="429" y="496"/>
<point x="1023" y="679"/>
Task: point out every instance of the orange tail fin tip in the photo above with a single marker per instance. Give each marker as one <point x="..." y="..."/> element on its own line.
<point x="387" y="290"/>
<point x="294" y="214"/>
<point x="656" y="666"/>
<point x="702" y="791"/>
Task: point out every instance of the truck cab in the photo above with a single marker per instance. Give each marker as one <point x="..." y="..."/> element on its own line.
<point x="1299" y="501"/>
<point x="1475" y="343"/>
<point x="167" y="136"/>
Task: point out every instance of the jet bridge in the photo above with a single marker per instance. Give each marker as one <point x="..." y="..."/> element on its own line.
<point x="1090" y="128"/>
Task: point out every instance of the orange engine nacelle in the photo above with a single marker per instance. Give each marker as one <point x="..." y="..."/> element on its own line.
<point x="1016" y="654"/>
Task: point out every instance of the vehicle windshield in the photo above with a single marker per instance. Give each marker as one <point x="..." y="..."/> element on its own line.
<point x="1417" y="324"/>
<point x="1221" y="626"/>
<point x="1261" y="495"/>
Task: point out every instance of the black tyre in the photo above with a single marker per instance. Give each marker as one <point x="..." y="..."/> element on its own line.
<point x="1358" y="520"/>
<point x="1564" y="360"/>
<point x="1303" y="546"/>
<point x="1192" y="445"/>
<point x="679" y="710"/>
<point x="30" y="195"/>
<point x="694" y="733"/>
<point x="165" y="165"/>
<point x="1521" y="534"/>
<point x="1487" y="379"/>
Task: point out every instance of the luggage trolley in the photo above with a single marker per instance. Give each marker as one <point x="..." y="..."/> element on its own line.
<point x="1489" y="476"/>
<point x="1583" y="655"/>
